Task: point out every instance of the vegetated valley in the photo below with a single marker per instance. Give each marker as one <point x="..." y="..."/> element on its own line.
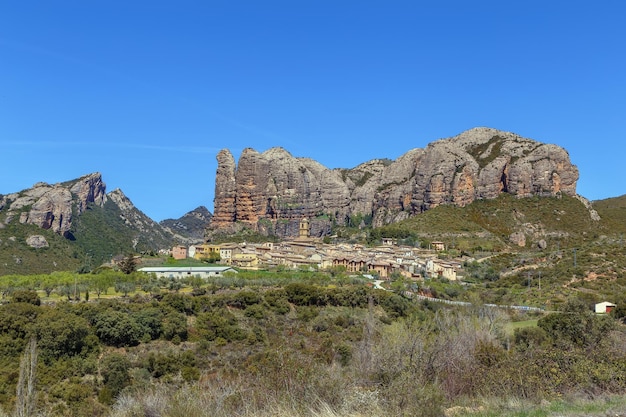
<point x="116" y="342"/>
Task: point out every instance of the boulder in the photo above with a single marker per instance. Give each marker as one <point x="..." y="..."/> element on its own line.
<point x="37" y="241"/>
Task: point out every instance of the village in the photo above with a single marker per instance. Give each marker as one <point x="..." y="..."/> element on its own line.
<point x="308" y="253"/>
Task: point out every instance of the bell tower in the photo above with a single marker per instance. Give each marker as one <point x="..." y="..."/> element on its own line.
<point x="304" y="228"/>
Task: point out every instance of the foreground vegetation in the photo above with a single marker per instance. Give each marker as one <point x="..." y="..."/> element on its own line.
<point x="296" y="343"/>
<point x="305" y="344"/>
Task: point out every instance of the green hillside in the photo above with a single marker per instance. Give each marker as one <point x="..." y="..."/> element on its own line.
<point x="561" y="222"/>
<point x="566" y="252"/>
<point x="97" y="235"/>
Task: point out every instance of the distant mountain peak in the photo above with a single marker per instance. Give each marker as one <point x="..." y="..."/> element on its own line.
<point x="191" y="225"/>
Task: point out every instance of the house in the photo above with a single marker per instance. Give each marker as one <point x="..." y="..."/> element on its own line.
<point x="248" y="260"/>
<point x="357" y="265"/>
<point x="179" y="272"/>
<point x="179" y="252"/>
<point x="389" y="241"/>
<point x="438" y="246"/>
<point x="341" y="261"/>
<point x="226" y="252"/>
<point x="441" y="269"/>
<point x="604" y="307"/>
<point x="380" y="267"/>
<point x="207" y="251"/>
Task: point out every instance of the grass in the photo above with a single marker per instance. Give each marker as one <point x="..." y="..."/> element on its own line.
<point x="510" y="327"/>
<point x="573" y="407"/>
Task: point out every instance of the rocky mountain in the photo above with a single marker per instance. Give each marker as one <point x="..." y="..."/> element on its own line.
<point x="53" y="206"/>
<point x="191" y="225"/>
<point x="77" y="217"/>
<point x="271" y="191"/>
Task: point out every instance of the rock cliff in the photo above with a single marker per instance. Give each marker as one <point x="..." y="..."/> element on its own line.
<point x="266" y="191"/>
<point x="51" y="206"/>
<point x="61" y="206"/>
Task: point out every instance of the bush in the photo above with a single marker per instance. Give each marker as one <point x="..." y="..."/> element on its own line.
<point x="61" y="334"/>
<point x="576" y="326"/>
<point x="115" y="373"/>
<point x="175" y="326"/>
<point x="151" y="320"/>
<point x="116" y="328"/>
<point x="219" y="324"/>
<point x="26" y="296"/>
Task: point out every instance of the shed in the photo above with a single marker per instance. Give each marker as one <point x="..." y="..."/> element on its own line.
<point x="604" y="307"/>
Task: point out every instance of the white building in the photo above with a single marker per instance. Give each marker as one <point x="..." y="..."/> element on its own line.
<point x="604" y="307"/>
<point x="187" y="271"/>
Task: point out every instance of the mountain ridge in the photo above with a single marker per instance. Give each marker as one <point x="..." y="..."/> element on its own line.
<point x="263" y="190"/>
<point x="79" y="221"/>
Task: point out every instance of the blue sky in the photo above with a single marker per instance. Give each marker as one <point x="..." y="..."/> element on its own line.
<point x="147" y="92"/>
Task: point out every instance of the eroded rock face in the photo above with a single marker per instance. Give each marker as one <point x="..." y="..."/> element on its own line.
<point x="225" y="191"/>
<point x="89" y="189"/>
<point x="480" y="163"/>
<point x="51" y="206"/>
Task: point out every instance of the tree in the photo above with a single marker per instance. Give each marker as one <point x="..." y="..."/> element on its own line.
<point x="60" y="334"/>
<point x="26" y="296"/>
<point x="26" y="395"/>
<point x="128" y="264"/>
<point x="116" y="328"/>
<point x="114" y="369"/>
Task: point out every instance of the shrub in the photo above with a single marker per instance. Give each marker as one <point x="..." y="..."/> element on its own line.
<point x="175" y="326"/>
<point x="61" y="334"/>
<point x="116" y="328"/>
<point x="26" y="296"/>
<point x="219" y="324"/>
<point x="115" y="373"/>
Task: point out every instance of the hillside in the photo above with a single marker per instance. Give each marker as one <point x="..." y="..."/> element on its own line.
<point x="73" y="225"/>
<point x="191" y="225"/>
<point x="540" y="251"/>
<point x="613" y="211"/>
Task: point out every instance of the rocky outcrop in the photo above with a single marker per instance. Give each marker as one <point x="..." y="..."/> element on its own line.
<point x="225" y="211"/>
<point x="265" y="189"/>
<point x="52" y="206"/>
<point x="89" y="190"/>
<point x="37" y="242"/>
<point x="59" y="207"/>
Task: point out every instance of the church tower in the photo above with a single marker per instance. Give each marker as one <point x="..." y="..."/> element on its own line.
<point x="304" y="228"/>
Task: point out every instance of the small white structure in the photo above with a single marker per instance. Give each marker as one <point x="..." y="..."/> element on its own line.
<point x="604" y="307"/>
<point x="187" y="271"/>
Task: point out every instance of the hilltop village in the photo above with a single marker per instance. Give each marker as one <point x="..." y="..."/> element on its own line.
<point x="305" y="253"/>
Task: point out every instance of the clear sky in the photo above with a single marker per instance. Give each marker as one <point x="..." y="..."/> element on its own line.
<point x="147" y="92"/>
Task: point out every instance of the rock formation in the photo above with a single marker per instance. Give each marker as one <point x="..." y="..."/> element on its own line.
<point x="51" y="206"/>
<point x="265" y="191"/>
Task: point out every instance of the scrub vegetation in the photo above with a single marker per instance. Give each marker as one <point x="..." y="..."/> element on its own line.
<point x="293" y="344"/>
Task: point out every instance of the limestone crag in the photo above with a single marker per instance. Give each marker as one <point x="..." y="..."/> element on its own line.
<point x="51" y="206"/>
<point x="271" y="191"/>
<point x="224" y="213"/>
<point x="89" y="189"/>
